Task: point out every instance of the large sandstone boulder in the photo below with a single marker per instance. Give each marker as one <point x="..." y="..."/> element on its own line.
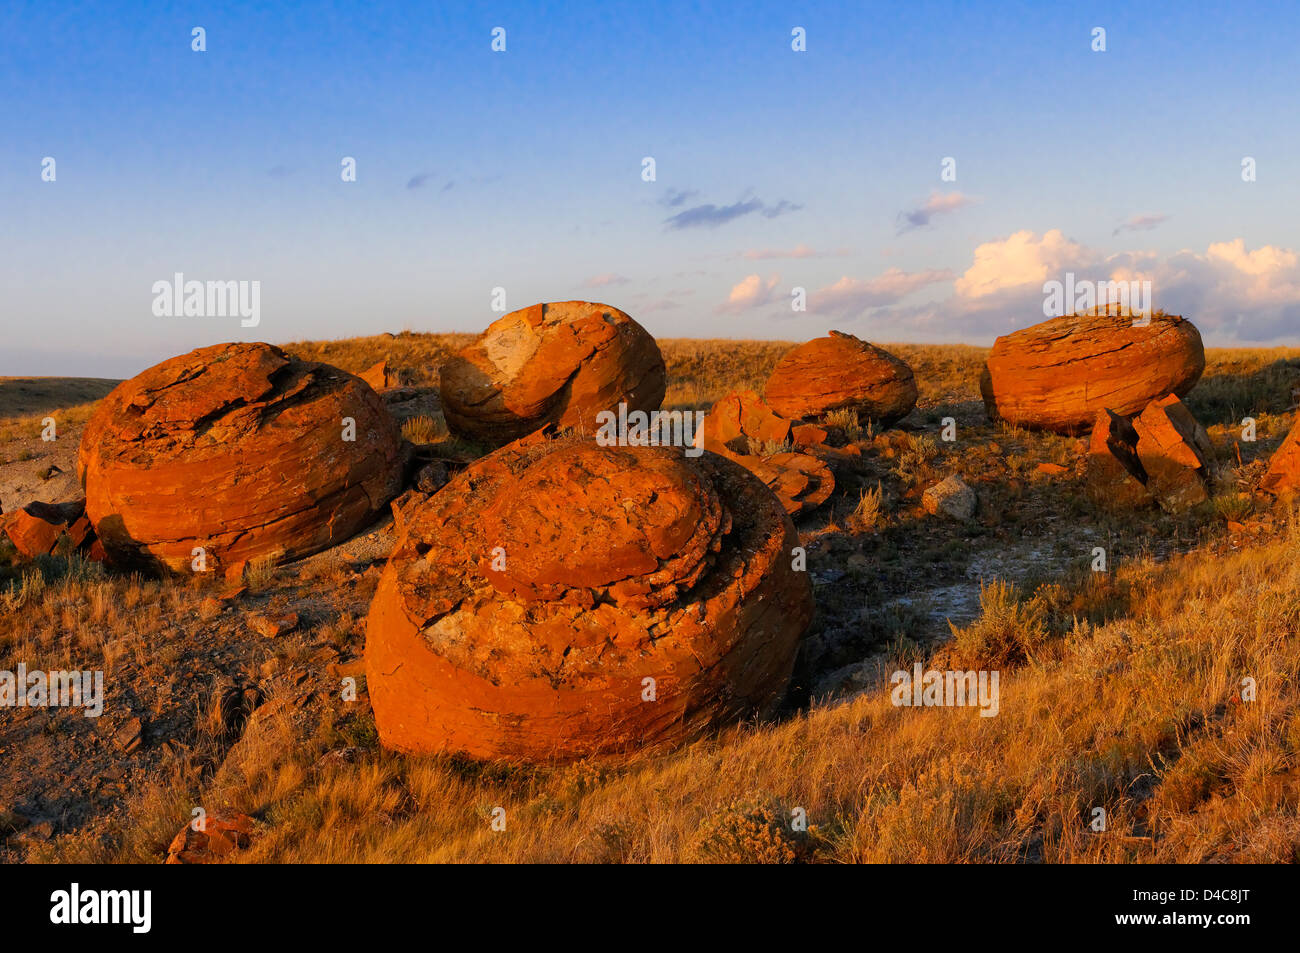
<point x="841" y="372"/>
<point x="1283" y="476"/>
<point x="238" y="449"/>
<point x="1058" y="375"/>
<point x="559" y="599"/>
<point x="559" y="363"/>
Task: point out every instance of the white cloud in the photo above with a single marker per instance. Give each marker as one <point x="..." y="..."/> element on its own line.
<point x="751" y="292"/>
<point x="1020" y="259"/>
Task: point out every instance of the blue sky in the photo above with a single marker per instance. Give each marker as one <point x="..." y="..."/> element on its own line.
<point x="522" y="169"/>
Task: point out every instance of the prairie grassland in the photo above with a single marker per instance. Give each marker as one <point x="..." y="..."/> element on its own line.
<point x="1120" y="690"/>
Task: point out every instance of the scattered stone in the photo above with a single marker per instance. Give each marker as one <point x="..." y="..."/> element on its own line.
<point x="841" y="372"/>
<point x="339" y="756"/>
<point x="951" y="498"/>
<point x="273" y="626"/>
<point x="130" y="736"/>
<point x="1175" y="452"/>
<point x="530" y="606"/>
<point x="1116" y="477"/>
<point x="1058" y="375"/>
<point x="560" y="363"/>
<point x="224" y="832"/>
<point x="432" y="477"/>
<point x="238" y="449"/>
<point x="1052" y="469"/>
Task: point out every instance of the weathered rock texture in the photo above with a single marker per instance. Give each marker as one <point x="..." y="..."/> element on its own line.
<point x="1162" y="454"/>
<point x="35" y="530"/>
<point x="238" y="449"/>
<point x="839" y="371"/>
<point x="951" y="498"/>
<point x="741" y="417"/>
<point x="1058" y="375"/>
<point x="224" y="832"/>
<point x="527" y="603"/>
<point x="1116" y="477"/>
<point x="1283" y="476"/>
<point x="1175" y="452"/>
<point x="743" y="428"/>
<point x="559" y="363"/>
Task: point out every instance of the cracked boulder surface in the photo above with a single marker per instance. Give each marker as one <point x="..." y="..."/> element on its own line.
<point x="239" y="449"/>
<point x="740" y="422"/>
<point x="1058" y="375"/>
<point x="560" y="600"/>
<point x="840" y="372"/>
<point x="560" y="363"/>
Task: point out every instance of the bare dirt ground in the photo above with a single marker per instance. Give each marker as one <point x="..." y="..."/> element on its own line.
<point x="200" y="700"/>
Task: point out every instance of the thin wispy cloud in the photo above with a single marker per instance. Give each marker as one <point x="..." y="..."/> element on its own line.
<point x="605" y="281"/>
<point x="1140" y="223"/>
<point x="419" y="180"/>
<point x="711" y="216"/>
<point x="676" y="198"/>
<point x="799" y="251"/>
<point x="850" y="297"/>
<point x="939" y="203"/>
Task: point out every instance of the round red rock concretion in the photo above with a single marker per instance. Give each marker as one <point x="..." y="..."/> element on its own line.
<point x="559" y="600"/>
<point x="238" y="449"/>
<point x="560" y="363"/>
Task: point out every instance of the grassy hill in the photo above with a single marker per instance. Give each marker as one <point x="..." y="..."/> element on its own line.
<point x="1119" y="690"/>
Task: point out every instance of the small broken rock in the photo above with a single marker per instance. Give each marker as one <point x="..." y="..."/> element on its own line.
<point x="1175" y="452"/>
<point x="952" y="498"/>
<point x="223" y="833"/>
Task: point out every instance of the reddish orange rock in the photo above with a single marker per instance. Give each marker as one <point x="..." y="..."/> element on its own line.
<point x="238" y="449"/>
<point x="377" y="376"/>
<point x="224" y="832"/>
<point x="1116" y="477"/>
<point x="559" y="363"/>
<point x="739" y="417"/>
<point x="1175" y="452"/>
<point x="1058" y="375"/>
<point x="841" y="372"/>
<point x="559" y="600"/>
<point x="1283" y="476"/>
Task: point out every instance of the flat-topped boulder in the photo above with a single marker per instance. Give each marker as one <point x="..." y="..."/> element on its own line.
<point x="240" y="451"/>
<point x="559" y="599"/>
<point x="841" y="372"/>
<point x="1060" y="374"/>
<point x="561" y="363"/>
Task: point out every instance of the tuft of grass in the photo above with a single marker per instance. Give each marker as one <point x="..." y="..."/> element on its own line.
<point x="867" y="515"/>
<point x="424" y="429"/>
